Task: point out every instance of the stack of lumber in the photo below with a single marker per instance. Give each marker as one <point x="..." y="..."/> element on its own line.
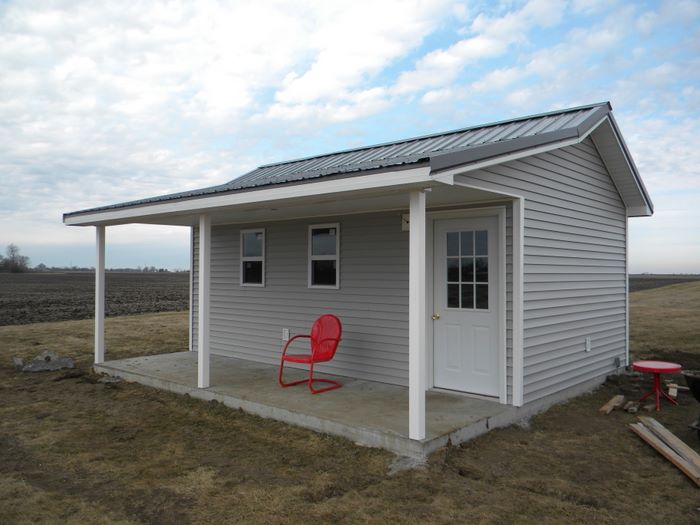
<point x="669" y="446"/>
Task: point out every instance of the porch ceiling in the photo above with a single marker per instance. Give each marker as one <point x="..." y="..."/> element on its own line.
<point x="341" y="203"/>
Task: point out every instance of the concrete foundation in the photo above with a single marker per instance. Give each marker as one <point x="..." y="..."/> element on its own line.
<point x="368" y="413"/>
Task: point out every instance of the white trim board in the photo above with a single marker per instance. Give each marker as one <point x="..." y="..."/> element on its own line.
<point x="518" y="303"/>
<point x="191" y="291"/>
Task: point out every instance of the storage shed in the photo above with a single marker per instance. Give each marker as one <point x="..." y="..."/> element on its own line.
<point x="489" y="261"/>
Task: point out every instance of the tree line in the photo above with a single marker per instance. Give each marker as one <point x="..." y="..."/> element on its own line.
<point x="15" y="262"/>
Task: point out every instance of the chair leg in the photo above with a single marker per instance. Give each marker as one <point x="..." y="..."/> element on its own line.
<point x="334" y="384"/>
<point x="311" y="380"/>
<point x="281" y="381"/>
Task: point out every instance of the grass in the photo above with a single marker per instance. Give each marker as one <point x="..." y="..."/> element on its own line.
<point x="666" y="322"/>
<point x="74" y="450"/>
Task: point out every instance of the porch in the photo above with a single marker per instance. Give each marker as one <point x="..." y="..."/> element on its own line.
<point x="383" y="292"/>
<point x="366" y="412"/>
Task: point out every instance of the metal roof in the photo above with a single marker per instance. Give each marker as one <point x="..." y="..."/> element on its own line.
<point x="442" y="150"/>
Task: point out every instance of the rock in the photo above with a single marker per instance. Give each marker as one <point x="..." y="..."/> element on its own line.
<point x="108" y="380"/>
<point x="45" y="361"/>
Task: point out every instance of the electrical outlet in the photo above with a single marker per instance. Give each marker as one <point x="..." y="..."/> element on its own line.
<point x="588" y="344"/>
<point x="285" y="334"/>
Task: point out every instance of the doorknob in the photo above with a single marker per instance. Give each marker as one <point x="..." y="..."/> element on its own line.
<point x="436" y="317"/>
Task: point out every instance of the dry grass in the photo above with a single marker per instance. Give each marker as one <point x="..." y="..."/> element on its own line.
<point x="666" y="321"/>
<point x="78" y="451"/>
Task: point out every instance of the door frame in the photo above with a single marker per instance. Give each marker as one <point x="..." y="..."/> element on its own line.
<point x="467" y="213"/>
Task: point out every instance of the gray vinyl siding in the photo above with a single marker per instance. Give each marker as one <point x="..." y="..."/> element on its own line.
<point x="372" y="302"/>
<point x="574" y="265"/>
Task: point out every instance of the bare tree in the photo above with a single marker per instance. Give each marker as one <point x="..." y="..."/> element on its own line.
<point x="14" y="262"/>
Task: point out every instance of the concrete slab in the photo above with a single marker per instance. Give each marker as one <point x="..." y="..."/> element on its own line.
<point x="369" y="413"/>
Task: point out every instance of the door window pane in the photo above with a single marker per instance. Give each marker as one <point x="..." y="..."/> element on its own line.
<point x="323" y="273"/>
<point x="467" y="239"/>
<point x="482" y="269"/>
<point x="481" y="243"/>
<point x="482" y="296"/>
<point x="453" y="296"/>
<point x="453" y="269"/>
<point x="468" y="295"/>
<point x="452" y="243"/>
<point x="467" y="269"/>
<point x="323" y="241"/>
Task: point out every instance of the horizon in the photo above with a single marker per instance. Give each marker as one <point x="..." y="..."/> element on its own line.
<point x="110" y="103"/>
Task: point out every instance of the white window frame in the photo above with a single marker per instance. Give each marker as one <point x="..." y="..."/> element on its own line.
<point x="243" y="259"/>
<point x="335" y="257"/>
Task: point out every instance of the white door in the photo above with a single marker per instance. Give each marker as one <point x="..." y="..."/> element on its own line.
<point x="466" y="309"/>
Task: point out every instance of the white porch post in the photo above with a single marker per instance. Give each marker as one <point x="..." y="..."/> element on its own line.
<point x="100" y="296"/>
<point x="203" y="306"/>
<point x="416" y="317"/>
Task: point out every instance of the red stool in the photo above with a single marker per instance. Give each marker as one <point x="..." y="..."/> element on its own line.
<point x="657" y="368"/>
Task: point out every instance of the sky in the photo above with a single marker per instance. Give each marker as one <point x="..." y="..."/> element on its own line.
<point x="104" y="102"/>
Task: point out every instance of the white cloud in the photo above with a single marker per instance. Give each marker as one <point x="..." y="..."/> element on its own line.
<point x="665" y="151"/>
<point x="589" y="7"/>
<point x="498" y="79"/>
<point x="438" y="96"/>
<point x="351" y="48"/>
<point x="492" y="37"/>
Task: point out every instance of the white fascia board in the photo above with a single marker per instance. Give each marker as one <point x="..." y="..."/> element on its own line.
<point x="310" y="189"/>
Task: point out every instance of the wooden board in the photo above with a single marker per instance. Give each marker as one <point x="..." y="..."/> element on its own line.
<point x="648" y="436"/>
<point x="616" y="402"/>
<point x="672" y="441"/>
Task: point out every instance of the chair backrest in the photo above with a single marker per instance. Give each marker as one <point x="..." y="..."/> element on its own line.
<point x="325" y="336"/>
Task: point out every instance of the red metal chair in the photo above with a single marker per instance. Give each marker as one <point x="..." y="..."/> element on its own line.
<point x="325" y="337"/>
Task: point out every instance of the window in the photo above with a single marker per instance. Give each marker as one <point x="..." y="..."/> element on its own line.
<point x="253" y="257"/>
<point x="324" y="247"/>
<point x="468" y="270"/>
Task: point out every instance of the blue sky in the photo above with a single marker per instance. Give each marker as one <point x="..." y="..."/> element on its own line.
<point x="106" y="102"/>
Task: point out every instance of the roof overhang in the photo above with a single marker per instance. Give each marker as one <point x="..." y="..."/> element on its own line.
<point x="600" y="127"/>
<point x="378" y="192"/>
<point x="623" y="171"/>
